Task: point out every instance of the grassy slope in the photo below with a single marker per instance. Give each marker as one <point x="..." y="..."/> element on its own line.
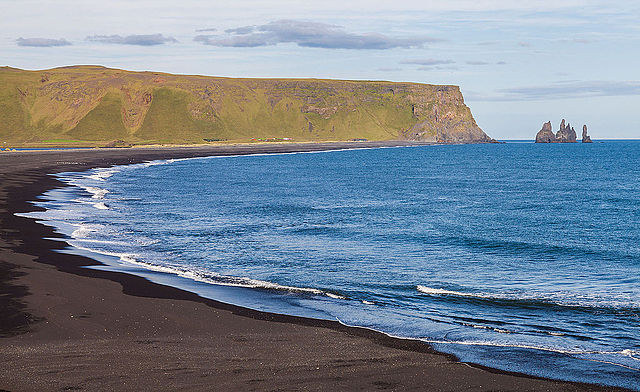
<point x="97" y="104"/>
<point x="104" y="122"/>
<point x="14" y="118"/>
<point x="168" y="119"/>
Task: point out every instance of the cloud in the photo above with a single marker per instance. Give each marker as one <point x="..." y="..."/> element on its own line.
<point x="438" y="68"/>
<point x="477" y="63"/>
<point x="308" y="34"/>
<point x="241" y="30"/>
<point x="566" y="90"/>
<point x="135" y="39"/>
<point x="524" y="44"/>
<point x="392" y="69"/>
<point x="207" y="29"/>
<point x="501" y="63"/>
<point x="427" y="62"/>
<point x="42" y="42"/>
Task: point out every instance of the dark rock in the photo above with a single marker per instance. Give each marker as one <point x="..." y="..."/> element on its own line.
<point x="585" y="138"/>
<point x="566" y="134"/>
<point x="546" y="135"/>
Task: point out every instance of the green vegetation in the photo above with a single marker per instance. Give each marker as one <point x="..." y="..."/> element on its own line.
<point x="63" y="141"/>
<point x="168" y="119"/>
<point x="104" y="122"/>
<point x="14" y="118"/>
<point x="98" y="106"/>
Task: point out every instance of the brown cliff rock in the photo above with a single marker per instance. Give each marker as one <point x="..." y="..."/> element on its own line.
<point x="546" y="135"/>
<point x="566" y="134"/>
<point x="585" y="138"/>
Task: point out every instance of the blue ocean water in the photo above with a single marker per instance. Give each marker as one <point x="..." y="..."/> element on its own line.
<point x="522" y="257"/>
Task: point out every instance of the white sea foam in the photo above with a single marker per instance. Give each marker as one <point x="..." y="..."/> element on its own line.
<point x="82" y="231"/>
<point x="211" y="278"/>
<point x="364" y="301"/>
<point x="101" y="206"/>
<point x="477" y="326"/>
<point x="633" y="354"/>
<point x="155" y="163"/>
<point x="128" y="258"/>
<point x="567" y="299"/>
<point x="96" y="193"/>
<point x="125" y="257"/>
<point x="435" y="291"/>
<point x="577" y="353"/>
<point x="103" y="174"/>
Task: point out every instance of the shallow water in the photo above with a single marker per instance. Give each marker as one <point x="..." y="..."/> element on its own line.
<point x="523" y="257"/>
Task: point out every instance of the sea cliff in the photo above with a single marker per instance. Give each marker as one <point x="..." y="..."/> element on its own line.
<point x="98" y="105"/>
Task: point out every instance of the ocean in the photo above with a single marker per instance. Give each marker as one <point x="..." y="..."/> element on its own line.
<point x="519" y="256"/>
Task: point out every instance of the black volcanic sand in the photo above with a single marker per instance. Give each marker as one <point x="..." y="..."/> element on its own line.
<point x="63" y="327"/>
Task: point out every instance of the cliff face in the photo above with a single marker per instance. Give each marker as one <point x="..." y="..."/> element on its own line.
<point x="96" y="104"/>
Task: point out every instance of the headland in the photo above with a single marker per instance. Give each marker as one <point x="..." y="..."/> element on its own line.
<point x="97" y="106"/>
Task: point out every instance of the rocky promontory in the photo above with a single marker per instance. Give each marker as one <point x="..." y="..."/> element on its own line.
<point x="566" y="134"/>
<point x="94" y="105"/>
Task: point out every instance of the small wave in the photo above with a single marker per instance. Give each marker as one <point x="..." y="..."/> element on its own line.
<point x="634" y="354"/>
<point x="434" y="291"/>
<point x="96" y="241"/>
<point x="96" y="193"/>
<point x="101" y="206"/>
<point x="155" y="163"/>
<point x="207" y="277"/>
<point x="576" y="353"/>
<point x="82" y="231"/>
<point x="477" y="326"/>
<point x="126" y="257"/>
<point x="562" y="299"/>
<point x="364" y="301"/>
<point x="102" y="174"/>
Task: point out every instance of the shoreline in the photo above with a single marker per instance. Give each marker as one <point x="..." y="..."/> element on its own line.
<point x="59" y="314"/>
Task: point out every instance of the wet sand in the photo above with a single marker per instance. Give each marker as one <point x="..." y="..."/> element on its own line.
<point x="64" y="327"/>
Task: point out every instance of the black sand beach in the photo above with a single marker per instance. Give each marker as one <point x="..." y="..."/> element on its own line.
<point x="64" y="327"/>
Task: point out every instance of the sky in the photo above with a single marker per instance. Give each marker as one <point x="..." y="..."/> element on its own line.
<point x="518" y="63"/>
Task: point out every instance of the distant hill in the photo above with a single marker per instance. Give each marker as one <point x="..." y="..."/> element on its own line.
<point x="96" y="105"/>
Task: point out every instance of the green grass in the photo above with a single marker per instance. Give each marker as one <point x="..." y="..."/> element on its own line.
<point x="168" y="120"/>
<point x="103" y="123"/>
<point x="14" y="119"/>
<point x="63" y="141"/>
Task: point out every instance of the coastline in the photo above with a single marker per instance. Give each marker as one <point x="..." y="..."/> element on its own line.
<point x="73" y="327"/>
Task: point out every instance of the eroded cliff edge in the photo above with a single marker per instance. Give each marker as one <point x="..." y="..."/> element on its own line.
<point x="92" y="103"/>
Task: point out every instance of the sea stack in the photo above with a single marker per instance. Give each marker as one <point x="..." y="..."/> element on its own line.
<point x="566" y="134"/>
<point x="585" y="138"/>
<point x="546" y="135"/>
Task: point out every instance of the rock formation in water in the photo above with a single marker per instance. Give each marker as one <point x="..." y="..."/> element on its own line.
<point x="101" y="105"/>
<point x="546" y="135"/>
<point x="585" y="138"/>
<point x="566" y="134"/>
